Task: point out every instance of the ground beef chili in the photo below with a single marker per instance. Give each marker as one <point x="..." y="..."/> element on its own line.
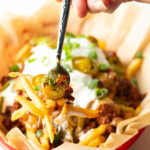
<point x="110" y="129"/>
<point x="106" y="115"/>
<point x="5" y="79"/>
<point x="10" y="124"/>
<point x="109" y="80"/>
<point x="127" y="92"/>
<point x="19" y="92"/>
<point x="68" y="96"/>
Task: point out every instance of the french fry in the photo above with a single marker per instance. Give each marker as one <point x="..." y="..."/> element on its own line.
<point x="29" y="89"/>
<point x="18" y="114"/>
<point x="72" y="122"/>
<point x="64" y="111"/>
<point x="101" y="44"/>
<point x="138" y="110"/>
<point x="61" y="101"/>
<point x="49" y="127"/>
<point x="50" y="103"/>
<point x="23" y="51"/>
<point x="83" y="111"/>
<point x="81" y="122"/>
<point x="32" y="93"/>
<point x="128" y="115"/>
<point x="37" y="100"/>
<point x="94" y="134"/>
<point x="29" y="106"/>
<point x="133" y="67"/>
<point x="32" y="137"/>
<point x="44" y="139"/>
<point x="96" y="142"/>
<point x="14" y="74"/>
<point x="17" y="84"/>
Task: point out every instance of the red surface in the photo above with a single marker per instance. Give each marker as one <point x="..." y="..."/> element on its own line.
<point x="4" y="145"/>
<point x="125" y="146"/>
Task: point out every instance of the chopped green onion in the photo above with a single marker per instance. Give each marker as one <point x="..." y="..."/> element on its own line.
<point x="15" y="68"/>
<point x="134" y="82"/>
<point x="68" y="49"/>
<point x="57" y="138"/>
<point x="38" y="133"/>
<point x="139" y="55"/>
<point x="91" y="46"/>
<point x="103" y="67"/>
<point x="45" y="61"/>
<point x="25" y="133"/>
<point x="115" y="69"/>
<point x="82" y="36"/>
<point x="93" y="84"/>
<point x="70" y="35"/>
<point x="92" y="55"/>
<point x="1" y="104"/>
<point x="75" y="45"/>
<point x="50" y="81"/>
<point x="101" y="92"/>
<point x="44" y="80"/>
<point x="67" y="67"/>
<point x="37" y="88"/>
<point x="31" y="60"/>
<point x="5" y="86"/>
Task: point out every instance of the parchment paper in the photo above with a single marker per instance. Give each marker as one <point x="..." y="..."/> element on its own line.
<point x="126" y="31"/>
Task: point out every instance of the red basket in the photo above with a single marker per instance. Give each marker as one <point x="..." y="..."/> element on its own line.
<point x="125" y="146"/>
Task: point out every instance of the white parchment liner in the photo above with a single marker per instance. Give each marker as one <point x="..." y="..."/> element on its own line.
<point x="126" y="31"/>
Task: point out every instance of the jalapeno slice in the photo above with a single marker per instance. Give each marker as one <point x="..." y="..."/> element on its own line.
<point x="37" y="80"/>
<point x="54" y="92"/>
<point x="85" y="65"/>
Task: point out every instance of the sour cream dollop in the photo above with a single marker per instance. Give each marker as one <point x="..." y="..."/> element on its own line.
<point x="43" y="60"/>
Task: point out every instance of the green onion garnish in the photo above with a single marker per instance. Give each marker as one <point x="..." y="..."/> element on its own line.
<point x="67" y="67"/>
<point x="38" y="133"/>
<point x="70" y="35"/>
<point x="134" y="82"/>
<point x="5" y="86"/>
<point x="1" y="104"/>
<point x="37" y="88"/>
<point x="91" y="46"/>
<point x="101" y="92"/>
<point x="103" y="67"/>
<point x="31" y="60"/>
<point x="75" y="45"/>
<point x="93" y="84"/>
<point x="45" y="61"/>
<point x="57" y="138"/>
<point x="139" y="55"/>
<point x="92" y="55"/>
<point x="51" y="81"/>
<point x="15" y="68"/>
<point x="68" y="49"/>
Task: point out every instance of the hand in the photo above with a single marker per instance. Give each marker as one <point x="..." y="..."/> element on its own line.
<point x="82" y="7"/>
